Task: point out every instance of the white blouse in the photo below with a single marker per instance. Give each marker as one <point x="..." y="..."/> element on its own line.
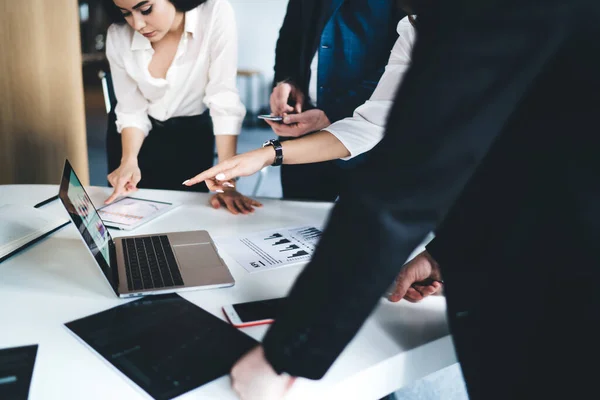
<point x="202" y="75"/>
<point x="361" y="132"/>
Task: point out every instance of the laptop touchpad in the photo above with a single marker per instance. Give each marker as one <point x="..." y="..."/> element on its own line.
<point x="202" y="255"/>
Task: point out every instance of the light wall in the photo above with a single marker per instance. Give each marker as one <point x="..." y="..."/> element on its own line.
<point x="42" y="117"/>
<point x="258" y="24"/>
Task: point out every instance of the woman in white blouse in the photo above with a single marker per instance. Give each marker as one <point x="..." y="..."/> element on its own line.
<point x="344" y="139"/>
<point x="170" y="61"/>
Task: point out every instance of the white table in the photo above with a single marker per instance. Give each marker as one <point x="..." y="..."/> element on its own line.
<point x="57" y="281"/>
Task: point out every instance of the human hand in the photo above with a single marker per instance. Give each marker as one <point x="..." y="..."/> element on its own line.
<point x="253" y="378"/>
<point x="124" y="179"/>
<point x="234" y="201"/>
<point x="219" y="177"/>
<point x="419" y="278"/>
<point x="282" y="93"/>
<point x="295" y="125"/>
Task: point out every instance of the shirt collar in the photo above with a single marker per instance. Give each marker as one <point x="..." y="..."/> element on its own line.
<point x="139" y="42"/>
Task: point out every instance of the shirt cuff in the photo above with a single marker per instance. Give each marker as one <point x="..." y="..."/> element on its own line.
<point x="142" y="124"/>
<point x="341" y="139"/>
<point x="357" y="135"/>
<point x="337" y="129"/>
<point x="227" y="125"/>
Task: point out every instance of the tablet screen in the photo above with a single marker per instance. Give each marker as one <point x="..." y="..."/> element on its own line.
<point x="130" y="211"/>
<point x="165" y="344"/>
<point x="16" y="371"/>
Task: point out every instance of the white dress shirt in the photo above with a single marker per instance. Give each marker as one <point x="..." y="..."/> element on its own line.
<point x="361" y="132"/>
<point x="202" y="75"/>
<point x="312" y="84"/>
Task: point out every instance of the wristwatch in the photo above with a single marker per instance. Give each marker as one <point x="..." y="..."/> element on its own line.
<point x="278" y="151"/>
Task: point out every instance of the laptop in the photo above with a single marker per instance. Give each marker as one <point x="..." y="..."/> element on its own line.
<point x="145" y="264"/>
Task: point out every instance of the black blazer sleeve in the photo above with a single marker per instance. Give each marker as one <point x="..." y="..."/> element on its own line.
<point x="468" y="75"/>
<point x="296" y="44"/>
<point x="287" y="54"/>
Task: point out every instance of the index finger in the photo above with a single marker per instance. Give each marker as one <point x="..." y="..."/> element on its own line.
<point x="203" y="176"/>
<point x="402" y="286"/>
<point x="289" y="119"/>
<point x="116" y="193"/>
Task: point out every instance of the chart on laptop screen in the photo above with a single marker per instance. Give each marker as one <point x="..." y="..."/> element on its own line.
<point x="91" y="221"/>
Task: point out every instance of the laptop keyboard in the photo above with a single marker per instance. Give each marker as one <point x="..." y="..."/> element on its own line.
<point x="150" y="263"/>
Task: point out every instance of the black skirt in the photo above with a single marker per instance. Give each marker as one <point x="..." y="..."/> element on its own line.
<point x="175" y="150"/>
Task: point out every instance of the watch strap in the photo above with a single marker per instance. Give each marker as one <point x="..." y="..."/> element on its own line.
<point x="276" y="144"/>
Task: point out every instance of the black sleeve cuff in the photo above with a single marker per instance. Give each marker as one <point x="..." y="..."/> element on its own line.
<point x="281" y="356"/>
<point x="435" y="248"/>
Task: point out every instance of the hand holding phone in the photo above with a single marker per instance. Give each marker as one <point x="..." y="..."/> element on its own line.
<point x="254" y="313"/>
<point x="271" y="118"/>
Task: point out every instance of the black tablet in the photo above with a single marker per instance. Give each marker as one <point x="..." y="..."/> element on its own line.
<point x="16" y="370"/>
<point x="164" y="344"/>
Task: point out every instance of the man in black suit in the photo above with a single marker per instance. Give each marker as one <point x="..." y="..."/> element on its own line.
<point x="503" y="98"/>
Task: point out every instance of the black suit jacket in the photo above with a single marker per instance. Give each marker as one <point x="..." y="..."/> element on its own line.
<point x="300" y="36"/>
<point x="511" y="87"/>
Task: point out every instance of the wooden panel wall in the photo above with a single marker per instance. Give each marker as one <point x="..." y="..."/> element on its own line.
<point x="42" y="114"/>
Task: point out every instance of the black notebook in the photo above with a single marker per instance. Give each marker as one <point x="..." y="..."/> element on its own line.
<point x="16" y="370"/>
<point x="164" y="344"/>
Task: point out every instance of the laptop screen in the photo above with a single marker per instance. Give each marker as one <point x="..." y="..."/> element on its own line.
<point x="88" y="222"/>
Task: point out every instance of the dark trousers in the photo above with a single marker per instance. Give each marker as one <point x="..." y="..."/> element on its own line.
<point x="175" y="150"/>
<point x="319" y="182"/>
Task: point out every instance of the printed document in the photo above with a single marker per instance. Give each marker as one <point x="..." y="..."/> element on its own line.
<point x="272" y="249"/>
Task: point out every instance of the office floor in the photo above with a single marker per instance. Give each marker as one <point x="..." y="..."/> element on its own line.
<point x="446" y="384"/>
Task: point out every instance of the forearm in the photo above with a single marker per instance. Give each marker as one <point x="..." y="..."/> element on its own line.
<point x="131" y="141"/>
<point x="318" y="147"/>
<point x="226" y="146"/>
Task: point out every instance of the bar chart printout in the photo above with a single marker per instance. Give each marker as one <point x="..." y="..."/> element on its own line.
<point x="272" y="249"/>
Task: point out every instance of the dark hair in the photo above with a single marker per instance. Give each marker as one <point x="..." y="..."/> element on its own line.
<point x="115" y="16"/>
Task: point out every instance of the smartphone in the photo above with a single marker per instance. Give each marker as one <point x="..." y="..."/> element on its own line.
<point x="271" y="118"/>
<point x="254" y="313"/>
